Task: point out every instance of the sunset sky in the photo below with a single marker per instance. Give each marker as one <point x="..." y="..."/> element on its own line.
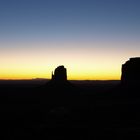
<point x="91" y="38"/>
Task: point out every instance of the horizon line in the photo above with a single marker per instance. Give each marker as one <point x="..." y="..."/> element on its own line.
<point x="16" y="79"/>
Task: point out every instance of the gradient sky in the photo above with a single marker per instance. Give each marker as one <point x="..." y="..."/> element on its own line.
<point x="92" y="38"/>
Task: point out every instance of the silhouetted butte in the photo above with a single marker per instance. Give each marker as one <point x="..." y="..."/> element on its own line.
<point x="60" y="74"/>
<point x="59" y="77"/>
<point x="131" y="72"/>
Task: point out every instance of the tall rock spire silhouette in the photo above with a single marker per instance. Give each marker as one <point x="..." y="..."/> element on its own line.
<point x="59" y="80"/>
<point x="60" y="74"/>
<point x="131" y="72"/>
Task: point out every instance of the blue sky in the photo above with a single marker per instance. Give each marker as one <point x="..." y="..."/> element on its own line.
<point x="52" y="19"/>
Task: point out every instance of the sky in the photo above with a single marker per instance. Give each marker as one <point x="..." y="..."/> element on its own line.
<point x="91" y="38"/>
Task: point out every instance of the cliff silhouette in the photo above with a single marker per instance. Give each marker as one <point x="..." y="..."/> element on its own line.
<point x="131" y="72"/>
<point x="60" y="74"/>
<point x="59" y="79"/>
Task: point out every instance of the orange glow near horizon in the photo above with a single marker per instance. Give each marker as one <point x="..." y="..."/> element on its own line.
<point x="83" y="61"/>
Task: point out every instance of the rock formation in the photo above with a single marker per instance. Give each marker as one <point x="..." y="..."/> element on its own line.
<point x="131" y="72"/>
<point x="60" y="74"/>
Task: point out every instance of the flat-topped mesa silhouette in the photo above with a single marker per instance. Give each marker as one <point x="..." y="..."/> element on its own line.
<point x="131" y="72"/>
<point x="59" y="82"/>
<point x="60" y="74"/>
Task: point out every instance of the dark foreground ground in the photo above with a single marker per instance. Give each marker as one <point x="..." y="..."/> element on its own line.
<point x="81" y="110"/>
